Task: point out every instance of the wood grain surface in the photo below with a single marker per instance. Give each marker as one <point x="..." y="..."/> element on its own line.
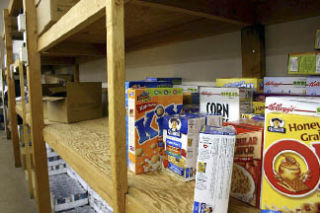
<point x="157" y="192"/>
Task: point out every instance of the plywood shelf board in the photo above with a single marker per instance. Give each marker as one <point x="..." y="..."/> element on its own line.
<point x="85" y="147"/>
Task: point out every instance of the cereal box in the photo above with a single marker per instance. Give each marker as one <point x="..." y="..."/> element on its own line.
<point x="246" y="175"/>
<point x="190" y="98"/>
<point x="313" y="86"/>
<point x="214" y="169"/>
<point x="181" y="138"/>
<point x="285" y="85"/>
<point x="147" y="108"/>
<point x="258" y="107"/>
<point x="228" y="102"/>
<point x="291" y="163"/>
<point x="249" y="83"/>
<point x="174" y="81"/>
<point x="304" y="63"/>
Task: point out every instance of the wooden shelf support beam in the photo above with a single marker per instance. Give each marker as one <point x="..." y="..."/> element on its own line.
<point x="11" y="91"/>
<point x="116" y="78"/>
<point x="36" y="110"/>
<point x="253" y="51"/>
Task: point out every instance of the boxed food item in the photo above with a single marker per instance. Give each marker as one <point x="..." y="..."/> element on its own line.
<point x="174" y="81"/>
<point x="214" y="120"/>
<point x="293" y="105"/>
<point x="190" y="98"/>
<point x="228" y="102"/>
<point x="57" y="169"/>
<point x="313" y="86"/>
<point x="81" y="209"/>
<point x="304" y="63"/>
<point x="291" y="163"/>
<point x="214" y="169"/>
<point x="199" y="83"/>
<point x="50" y="11"/>
<point x="249" y="83"/>
<point x="97" y="203"/>
<point x="58" y="78"/>
<point x="181" y="139"/>
<point x="285" y="85"/>
<point x="146" y="110"/>
<point x="258" y="107"/>
<point x="317" y="40"/>
<point x="77" y="102"/>
<point x="247" y="169"/>
<point x="66" y="193"/>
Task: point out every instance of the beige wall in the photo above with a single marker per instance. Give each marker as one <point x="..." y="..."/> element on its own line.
<point x="212" y="57"/>
<point x="3" y="4"/>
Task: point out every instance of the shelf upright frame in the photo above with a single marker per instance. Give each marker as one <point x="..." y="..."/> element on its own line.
<point x="11" y="90"/>
<point x="36" y="110"/>
<point x="116" y="99"/>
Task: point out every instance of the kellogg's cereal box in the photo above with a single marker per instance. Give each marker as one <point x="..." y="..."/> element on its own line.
<point x="246" y="175"/>
<point x="228" y="102"/>
<point x="214" y="169"/>
<point x="291" y="166"/>
<point x="313" y="86"/>
<point x="181" y="138"/>
<point x="146" y="110"/>
<point x="285" y="85"/>
<point x="249" y="83"/>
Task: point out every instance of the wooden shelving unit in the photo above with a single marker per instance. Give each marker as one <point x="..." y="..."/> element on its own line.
<point x="96" y="149"/>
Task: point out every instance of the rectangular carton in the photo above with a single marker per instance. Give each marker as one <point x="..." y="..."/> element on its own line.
<point x="228" y="102"/>
<point x="258" y="107"/>
<point x="174" y="81"/>
<point x="214" y="169"/>
<point x="285" y="85"/>
<point x="313" y="86"/>
<point x="304" y="63"/>
<point x="190" y="98"/>
<point x="181" y="139"/>
<point x="291" y="163"/>
<point x="246" y="175"/>
<point x="249" y="83"/>
<point x="50" y="11"/>
<point x="146" y="108"/>
<point x="82" y="102"/>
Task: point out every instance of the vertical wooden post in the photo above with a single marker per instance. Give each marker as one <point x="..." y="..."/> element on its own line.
<point x="116" y="77"/>
<point x="36" y="110"/>
<point x="76" y="77"/>
<point x="253" y="51"/>
<point x="11" y="91"/>
<point x="25" y="130"/>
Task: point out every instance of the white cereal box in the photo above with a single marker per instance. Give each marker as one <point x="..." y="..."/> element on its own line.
<point x="285" y="85"/>
<point x="214" y="169"/>
<point x="181" y="138"/>
<point x="228" y="102"/>
<point x="313" y="86"/>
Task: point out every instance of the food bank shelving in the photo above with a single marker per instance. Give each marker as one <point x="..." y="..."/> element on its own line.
<point x="96" y="149"/>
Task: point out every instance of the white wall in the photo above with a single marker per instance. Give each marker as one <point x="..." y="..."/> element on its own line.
<point x="212" y="57"/>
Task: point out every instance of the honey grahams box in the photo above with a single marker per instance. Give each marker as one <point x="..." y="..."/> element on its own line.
<point x="291" y="163"/>
<point x="181" y="138"/>
<point x="246" y="175"/>
<point x="248" y="83"/>
<point x="146" y="110"/>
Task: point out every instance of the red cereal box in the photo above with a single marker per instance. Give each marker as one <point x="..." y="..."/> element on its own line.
<point x="146" y="110"/>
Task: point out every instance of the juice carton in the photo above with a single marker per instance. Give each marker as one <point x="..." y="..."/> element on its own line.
<point x="304" y="63"/>
<point x="249" y="83"/>
<point x="291" y="163"/>
<point x="174" y="81"/>
<point x="313" y="86"/>
<point x="181" y="138"/>
<point x="214" y="169"/>
<point x="228" y="102"/>
<point x="147" y="108"/>
<point x="285" y="85"/>
<point x="246" y="175"/>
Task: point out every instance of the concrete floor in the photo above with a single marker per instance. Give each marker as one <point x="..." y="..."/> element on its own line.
<point x="14" y="195"/>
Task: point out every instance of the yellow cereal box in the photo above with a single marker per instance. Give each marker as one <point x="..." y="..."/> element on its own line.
<point x="291" y="163"/>
<point x="146" y="110"/>
<point x="258" y="107"/>
<point x="249" y="83"/>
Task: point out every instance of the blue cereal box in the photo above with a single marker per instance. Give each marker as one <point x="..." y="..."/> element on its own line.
<point x="181" y="138"/>
<point x="174" y="81"/>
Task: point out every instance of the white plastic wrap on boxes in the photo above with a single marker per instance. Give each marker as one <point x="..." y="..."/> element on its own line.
<point x="21" y="22"/>
<point x="66" y="193"/>
<point x="97" y="203"/>
<point x="76" y="177"/>
<point x="23" y="53"/>
<point x="83" y="209"/>
<point x="57" y="169"/>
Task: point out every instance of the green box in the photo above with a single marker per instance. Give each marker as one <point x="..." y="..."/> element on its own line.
<point x="304" y="63"/>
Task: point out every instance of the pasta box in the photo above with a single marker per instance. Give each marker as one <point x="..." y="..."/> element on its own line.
<point x="146" y="110"/>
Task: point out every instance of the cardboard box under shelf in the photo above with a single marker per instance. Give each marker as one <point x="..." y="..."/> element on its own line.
<point x="50" y="11"/>
<point x="82" y="102"/>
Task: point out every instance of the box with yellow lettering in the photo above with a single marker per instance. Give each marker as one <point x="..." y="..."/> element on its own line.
<point x="248" y="83"/>
<point x="291" y="161"/>
<point x="146" y="110"/>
